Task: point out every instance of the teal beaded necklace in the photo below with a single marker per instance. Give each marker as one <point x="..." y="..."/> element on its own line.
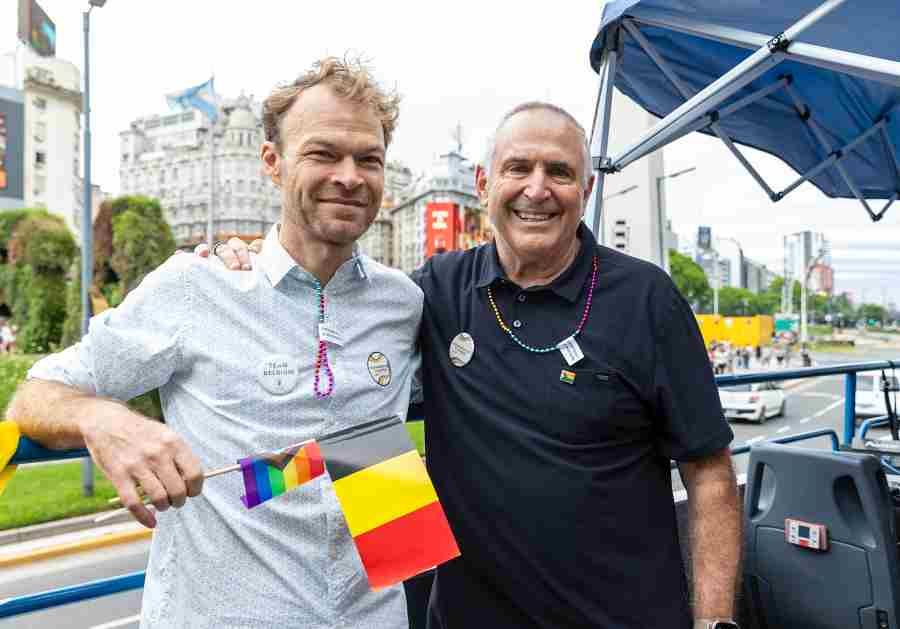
<point x="551" y="348"/>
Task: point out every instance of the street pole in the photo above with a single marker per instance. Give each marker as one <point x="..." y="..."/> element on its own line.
<point x="212" y="185"/>
<point x="716" y="274"/>
<point x="803" y="322"/>
<point x="87" y="263"/>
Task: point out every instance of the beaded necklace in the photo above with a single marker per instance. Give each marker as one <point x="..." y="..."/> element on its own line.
<point x="322" y="354"/>
<point x="551" y="348"/>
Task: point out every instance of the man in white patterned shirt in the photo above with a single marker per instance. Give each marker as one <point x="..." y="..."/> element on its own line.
<point x="342" y="331"/>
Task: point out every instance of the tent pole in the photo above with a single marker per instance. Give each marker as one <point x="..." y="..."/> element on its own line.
<point x="862" y="66"/>
<point x="686" y="94"/>
<point x="723" y="88"/>
<point x="600" y="134"/>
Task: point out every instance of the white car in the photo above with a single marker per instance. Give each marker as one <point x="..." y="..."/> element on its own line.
<point x="870" y="398"/>
<point x="755" y="402"/>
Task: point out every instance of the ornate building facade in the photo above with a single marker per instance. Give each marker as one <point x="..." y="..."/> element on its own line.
<point x="167" y="156"/>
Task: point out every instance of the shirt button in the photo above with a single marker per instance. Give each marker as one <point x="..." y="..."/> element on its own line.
<point x="517" y="324"/>
<point x="521" y="298"/>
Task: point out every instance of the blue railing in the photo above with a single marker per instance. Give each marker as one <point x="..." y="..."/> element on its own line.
<point x="29" y="452"/>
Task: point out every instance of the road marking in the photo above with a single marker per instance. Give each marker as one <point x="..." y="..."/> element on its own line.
<point x="750" y="442"/>
<point x="828" y="408"/>
<point x="886" y="438"/>
<point x="783" y="429"/>
<point x="805" y="419"/>
<point x="830" y="396"/>
<point x="121" y="622"/>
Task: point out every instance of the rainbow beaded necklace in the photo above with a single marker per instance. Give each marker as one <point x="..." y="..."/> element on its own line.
<point x="322" y="355"/>
<point x="544" y="350"/>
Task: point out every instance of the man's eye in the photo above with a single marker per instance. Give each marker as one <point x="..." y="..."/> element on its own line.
<point x="321" y="155"/>
<point x="371" y="160"/>
<point x="518" y="168"/>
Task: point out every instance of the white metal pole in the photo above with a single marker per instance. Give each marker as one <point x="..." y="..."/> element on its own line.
<point x="212" y="185"/>
<point x="716" y="277"/>
<point x="803" y="307"/>
<point x="600" y="135"/>
<point x="87" y="246"/>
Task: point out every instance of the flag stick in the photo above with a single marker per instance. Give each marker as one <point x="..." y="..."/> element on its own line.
<point x="218" y="472"/>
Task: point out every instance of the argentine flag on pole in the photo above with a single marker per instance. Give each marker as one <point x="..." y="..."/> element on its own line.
<point x="202" y="97"/>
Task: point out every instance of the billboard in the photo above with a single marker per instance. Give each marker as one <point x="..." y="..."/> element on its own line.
<point x="12" y="147"/>
<point x="441" y="228"/>
<point x="36" y="29"/>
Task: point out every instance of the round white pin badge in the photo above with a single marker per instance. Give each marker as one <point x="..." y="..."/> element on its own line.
<point x="379" y="368"/>
<point x="462" y="348"/>
<point x="278" y="374"/>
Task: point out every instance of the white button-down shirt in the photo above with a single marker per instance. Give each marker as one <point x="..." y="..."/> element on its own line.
<point x="204" y="335"/>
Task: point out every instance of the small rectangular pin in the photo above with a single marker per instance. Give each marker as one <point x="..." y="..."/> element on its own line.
<point x="567" y="376"/>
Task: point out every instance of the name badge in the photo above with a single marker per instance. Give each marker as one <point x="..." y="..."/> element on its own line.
<point x="279" y="374"/>
<point x="570" y="350"/>
<point x="330" y="335"/>
<point x="462" y="348"/>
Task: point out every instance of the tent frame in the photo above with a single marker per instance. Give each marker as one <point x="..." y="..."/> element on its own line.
<point x="701" y="110"/>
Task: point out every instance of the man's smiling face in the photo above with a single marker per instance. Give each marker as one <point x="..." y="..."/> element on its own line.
<point x="331" y="166"/>
<point x="536" y="191"/>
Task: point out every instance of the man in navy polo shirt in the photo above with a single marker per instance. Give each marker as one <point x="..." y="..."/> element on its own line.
<point x="560" y="379"/>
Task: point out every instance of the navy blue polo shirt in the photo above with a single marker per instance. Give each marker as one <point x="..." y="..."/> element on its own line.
<point x="558" y="489"/>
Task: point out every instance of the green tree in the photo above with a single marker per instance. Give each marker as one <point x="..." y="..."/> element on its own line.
<point x="690" y="280"/>
<point x="737" y="302"/>
<point x="871" y="312"/>
<point x="142" y="240"/>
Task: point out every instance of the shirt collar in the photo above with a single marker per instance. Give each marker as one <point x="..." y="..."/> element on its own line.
<point x="568" y="285"/>
<point x="277" y="263"/>
<point x="274" y="260"/>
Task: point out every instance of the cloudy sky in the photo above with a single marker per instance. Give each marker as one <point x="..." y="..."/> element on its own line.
<point x="463" y="62"/>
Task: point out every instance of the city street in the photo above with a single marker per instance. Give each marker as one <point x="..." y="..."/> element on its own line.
<point x="811" y="405"/>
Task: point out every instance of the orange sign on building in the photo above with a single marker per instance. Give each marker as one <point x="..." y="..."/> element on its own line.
<point x="451" y="228"/>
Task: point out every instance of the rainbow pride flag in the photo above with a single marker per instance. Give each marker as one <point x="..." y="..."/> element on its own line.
<point x="271" y="474"/>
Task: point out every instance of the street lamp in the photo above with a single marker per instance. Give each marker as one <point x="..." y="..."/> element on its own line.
<point x="718" y="272"/>
<point x="661" y="215"/>
<point x="87" y="247"/>
<point x="804" y="324"/>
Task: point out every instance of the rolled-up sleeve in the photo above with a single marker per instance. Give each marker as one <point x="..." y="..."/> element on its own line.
<point x="130" y="349"/>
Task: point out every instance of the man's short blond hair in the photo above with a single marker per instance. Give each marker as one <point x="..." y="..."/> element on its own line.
<point x="349" y="78"/>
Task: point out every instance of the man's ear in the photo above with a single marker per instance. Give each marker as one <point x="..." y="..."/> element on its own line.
<point x="271" y="161"/>
<point x="481" y="180"/>
<point x="587" y="193"/>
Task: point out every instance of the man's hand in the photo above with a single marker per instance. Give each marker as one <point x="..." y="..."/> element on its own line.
<point x="135" y="451"/>
<point x="235" y="254"/>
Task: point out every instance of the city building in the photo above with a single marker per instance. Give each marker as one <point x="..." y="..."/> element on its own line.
<point x="707" y="257"/>
<point x="167" y="156"/>
<point x="756" y="276"/>
<point x="378" y="241"/>
<point x="441" y="213"/>
<point x="808" y="251"/>
<point x="41" y="143"/>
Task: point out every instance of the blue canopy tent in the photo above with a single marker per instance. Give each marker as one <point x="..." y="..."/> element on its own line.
<point x="814" y="83"/>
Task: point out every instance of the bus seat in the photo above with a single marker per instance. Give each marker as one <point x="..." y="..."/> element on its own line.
<point x="853" y="583"/>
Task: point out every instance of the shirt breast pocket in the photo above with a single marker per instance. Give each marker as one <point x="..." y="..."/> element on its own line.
<point x="596" y="405"/>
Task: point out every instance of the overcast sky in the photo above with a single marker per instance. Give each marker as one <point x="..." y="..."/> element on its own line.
<point x="467" y="62"/>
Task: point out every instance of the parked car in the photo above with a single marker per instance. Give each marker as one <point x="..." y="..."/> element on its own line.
<point x="754" y="402"/>
<point x="869" y="396"/>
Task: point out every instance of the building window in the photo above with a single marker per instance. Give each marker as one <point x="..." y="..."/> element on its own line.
<point x="40" y="159"/>
<point x="40" y="103"/>
<point x="40" y="185"/>
<point x="40" y="131"/>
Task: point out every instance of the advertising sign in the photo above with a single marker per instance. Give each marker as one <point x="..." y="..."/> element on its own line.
<point x="441" y="228"/>
<point x="12" y="146"/>
<point x="36" y="29"/>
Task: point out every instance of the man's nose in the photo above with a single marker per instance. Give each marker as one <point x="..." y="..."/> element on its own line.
<point x="536" y="188"/>
<point x="347" y="174"/>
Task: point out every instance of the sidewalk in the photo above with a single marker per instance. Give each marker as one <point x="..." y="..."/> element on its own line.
<point x="63" y="537"/>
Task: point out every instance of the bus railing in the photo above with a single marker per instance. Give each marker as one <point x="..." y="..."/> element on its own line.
<point x="30" y="452"/>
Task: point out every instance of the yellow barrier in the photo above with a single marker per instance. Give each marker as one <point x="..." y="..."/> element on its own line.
<point x="739" y="331"/>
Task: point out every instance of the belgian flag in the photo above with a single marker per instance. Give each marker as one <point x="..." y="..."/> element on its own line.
<point x="390" y="505"/>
